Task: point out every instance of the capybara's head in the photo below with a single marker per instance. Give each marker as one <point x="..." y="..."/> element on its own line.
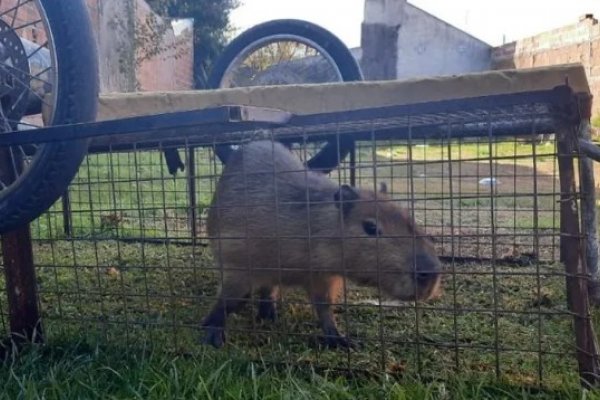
<point x="384" y="247"/>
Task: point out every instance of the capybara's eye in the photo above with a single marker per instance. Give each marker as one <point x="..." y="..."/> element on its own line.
<point x="370" y="228"/>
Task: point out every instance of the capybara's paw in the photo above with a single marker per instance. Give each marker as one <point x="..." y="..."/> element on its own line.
<point x="214" y="337"/>
<point x="267" y="312"/>
<point x="337" y="342"/>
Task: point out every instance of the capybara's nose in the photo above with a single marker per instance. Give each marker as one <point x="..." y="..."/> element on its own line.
<point x="424" y="278"/>
<point x="426" y="269"/>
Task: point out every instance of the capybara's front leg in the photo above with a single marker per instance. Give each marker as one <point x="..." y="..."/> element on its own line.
<point x="323" y="293"/>
<point x="266" y="303"/>
<point x="234" y="294"/>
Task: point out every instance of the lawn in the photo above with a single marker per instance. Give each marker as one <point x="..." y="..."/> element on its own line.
<point x="122" y="315"/>
<point x="79" y="371"/>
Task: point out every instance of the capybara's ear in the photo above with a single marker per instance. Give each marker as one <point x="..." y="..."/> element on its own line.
<point x="344" y="198"/>
<point x="383" y="187"/>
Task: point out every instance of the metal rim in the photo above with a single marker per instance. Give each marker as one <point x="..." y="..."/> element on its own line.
<point x="43" y="88"/>
<point x="268" y="40"/>
<point x="263" y="42"/>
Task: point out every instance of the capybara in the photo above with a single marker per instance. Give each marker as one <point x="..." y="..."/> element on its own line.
<point x="272" y="222"/>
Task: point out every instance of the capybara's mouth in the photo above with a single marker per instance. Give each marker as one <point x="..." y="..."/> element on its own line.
<point x="432" y="291"/>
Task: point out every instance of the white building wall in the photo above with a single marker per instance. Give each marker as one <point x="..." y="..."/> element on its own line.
<point x="400" y="40"/>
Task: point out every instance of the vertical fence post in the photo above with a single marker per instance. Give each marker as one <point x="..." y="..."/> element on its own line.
<point x="21" y="284"/>
<point x="588" y="201"/>
<point x="66" y="213"/>
<point x="571" y="242"/>
<point x="353" y="164"/>
<point x="191" y="184"/>
<point x="19" y="271"/>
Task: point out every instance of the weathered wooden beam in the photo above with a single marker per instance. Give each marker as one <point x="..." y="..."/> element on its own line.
<point x="588" y="197"/>
<point x="21" y="285"/>
<point x="19" y="271"/>
<point x="572" y="244"/>
<point x="589" y="149"/>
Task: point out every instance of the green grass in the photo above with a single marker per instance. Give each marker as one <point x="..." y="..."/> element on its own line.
<point x="133" y="192"/>
<point x="110" y="197"/>
<point x="467" y="151"/>
<point x="131" y="294"/>
<point x="79" y="371"/>
<point x="105" y="301"/>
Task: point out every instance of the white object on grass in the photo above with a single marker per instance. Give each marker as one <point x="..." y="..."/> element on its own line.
<point x="489" y="182"/>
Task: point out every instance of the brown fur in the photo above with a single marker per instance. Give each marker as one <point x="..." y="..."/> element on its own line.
<point x="272" y="223"/>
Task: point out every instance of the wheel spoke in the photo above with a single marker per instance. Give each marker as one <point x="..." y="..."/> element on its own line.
<point x="13" y="162"/>
<point x="40" y="73"/>
<point x="19" y="4"/>
<point x="14" y="16"/>
<point x="27" y="24"/>
<point x="22" y="152"/>
<point x="34" y="77"/>
<point x="42" y="46"/>
<point x="8" y="121"/>
<point x="25" y="85"/>
<point x="5" y="124"/>
<point x="12" y="108"/>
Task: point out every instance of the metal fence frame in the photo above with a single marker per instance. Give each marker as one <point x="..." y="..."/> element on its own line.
<point x="558" y="111"/>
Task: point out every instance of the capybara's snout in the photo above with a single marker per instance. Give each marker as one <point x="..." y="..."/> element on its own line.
<point x="427" y="276"/>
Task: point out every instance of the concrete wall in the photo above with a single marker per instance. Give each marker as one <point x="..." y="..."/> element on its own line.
<point x="379" y="38"/>
<point x="400" y="40"/>
<point x="116" y="47"/>
<point x="579" y="42"/>
<point x="429" y="46"/>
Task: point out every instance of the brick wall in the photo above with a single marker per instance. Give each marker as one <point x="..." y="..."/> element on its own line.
<point x="172" y="69"/>
<point x="22" y="15"/>
<point x="576" y="43"/>
<point x="118" y="50"/>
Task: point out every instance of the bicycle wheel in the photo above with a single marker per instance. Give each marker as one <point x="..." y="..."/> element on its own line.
<point x="283" y="52"/>
<point x="48" y="61"/>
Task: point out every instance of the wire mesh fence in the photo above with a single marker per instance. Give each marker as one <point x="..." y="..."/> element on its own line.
<point x="126" y="257"/>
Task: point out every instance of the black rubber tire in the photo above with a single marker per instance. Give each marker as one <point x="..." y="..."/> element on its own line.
<point x="57" y="163"/>
<point x="327" y="158"/>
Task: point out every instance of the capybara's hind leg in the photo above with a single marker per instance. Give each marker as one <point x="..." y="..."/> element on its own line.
<point x="267" y="310"/>
<point x="234" y="295"/>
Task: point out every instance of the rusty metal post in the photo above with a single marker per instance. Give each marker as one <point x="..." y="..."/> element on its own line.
<point x="192" y="198"/>
<point x="66" y="213"/>
<point x="353" y="164"/>
<point x="21" y="285"/>
<point x="571" y="241"/>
